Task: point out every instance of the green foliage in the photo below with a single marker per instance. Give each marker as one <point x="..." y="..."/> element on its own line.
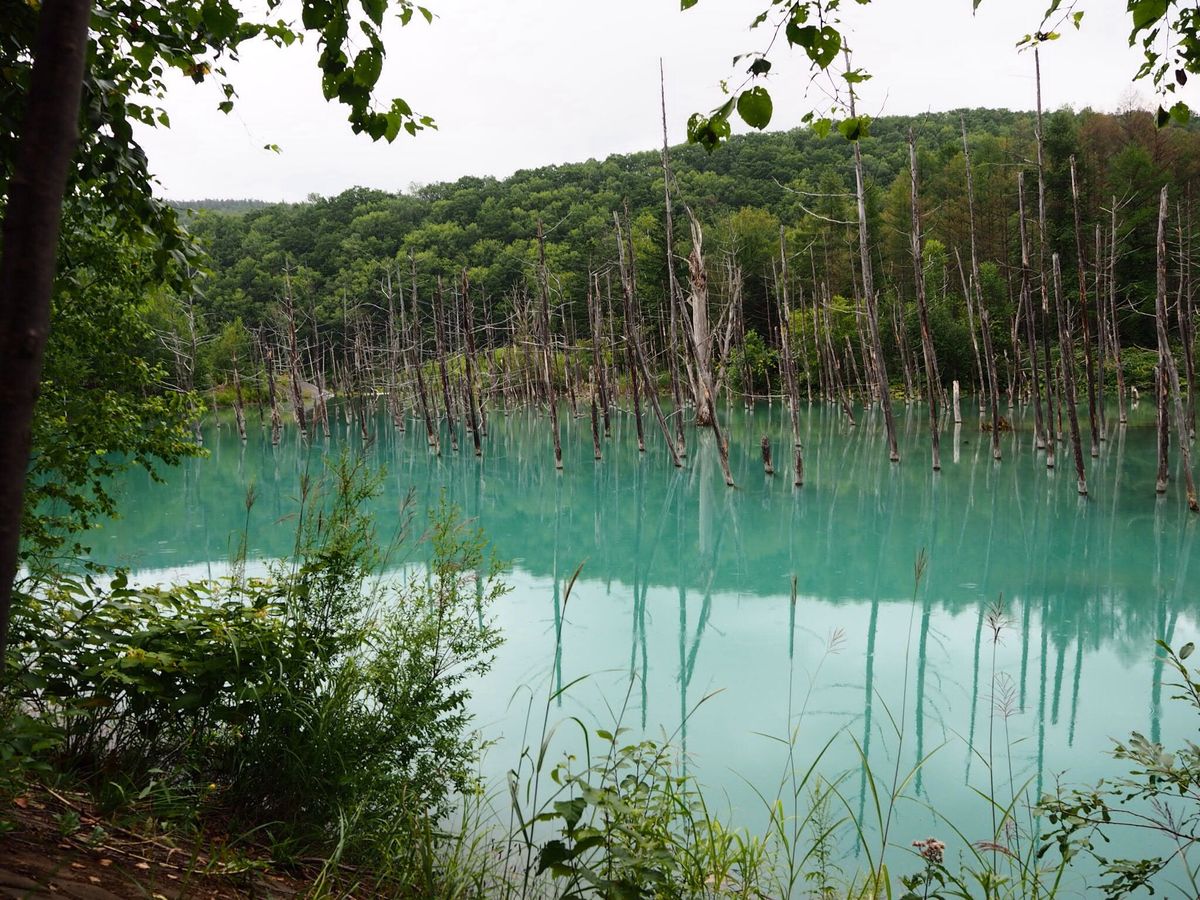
<point x="752" y="363"/>
<point x="320" y="704"/>
<point x="1160" y="796"/>
<point x="105" y="399"/>
<point x="1167" y="31"/>
<point x="633" y="826"/>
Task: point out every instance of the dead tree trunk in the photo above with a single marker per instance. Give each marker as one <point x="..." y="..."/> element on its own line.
<point x="468" y="315"/>
<point x="1066" y="349"/>
<point x="239" y="407"/>
<point x="439" y="317"/>
<point x="634" y="337"/>
<point x="1044" y="439"/>
<point x="1089" y="363"/>
<point x="933" y="388"/>
<point x="276" y="423"/>
<point x="1102" y="340"/>
<point x="1053" y="427"/>
<point x="289" y="309"/>
<point x="544" y="296"/>
<point x="701" y="334"/>
<point x="789" y="362"/>
<point x="418" y="363"/>
<point x="600" y="369"/>
<point x="672" y="282"/>
<point x="699" y="298"/>
<point x="1166" y="362"/>
<point x="1115" y="331"/>
<point x="872" y="302"/>
<point x="768" y="466"/>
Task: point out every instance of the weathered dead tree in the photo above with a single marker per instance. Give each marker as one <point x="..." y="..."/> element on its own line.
<point x="1114" y="329"/>
<point x="789" y="362"/>
<point x="933" y="388"/>
<point x="1085" y="318"/>
<point x="1053" y="427"/>
<point x="633" y="336"/>
<point x="439" y="316"/>
<point x="872" y="301"/>
<point x="1166" y="362"/>
<point x="599" y="369"/>
<point x="701" y="334"/>
<point x="547" y="360"/>
<point x="768" y="466"/>
<point x="276" y="423"/>
<point x="418" y="363"/>
<point x="699" y="298"/>
<point x="468" y="315"/>
<point x="297" y="386"/>
<point x="239" y="405"/>
<point x="1102" y="340"/>
<point x="1043" y="439"/>
<point x="1066" y="349"/>
<point x="1184" y="314"/>
<point x="672" y="283"/>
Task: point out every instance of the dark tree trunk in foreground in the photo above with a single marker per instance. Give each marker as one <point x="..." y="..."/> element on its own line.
<point x="30" y="234"/>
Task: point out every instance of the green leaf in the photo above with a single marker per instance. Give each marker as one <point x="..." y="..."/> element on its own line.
<point x="822" y="127"/>
<point x="1186" y="650"/>
<point x="368" y="64"/>
<point x="374" y="10"/>
<point x="1076" y="18"/>
<point x="1146" y="12"/>
<point x="687" y="4"/>
<point x="755" y="107"/>
<point x="760" y="66"/>
<point x="854" y="129"/>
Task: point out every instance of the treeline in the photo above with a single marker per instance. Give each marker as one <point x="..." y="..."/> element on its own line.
<point x="335" y="251"/>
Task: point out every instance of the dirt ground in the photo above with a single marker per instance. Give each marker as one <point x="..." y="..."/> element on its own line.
<point x="61" y="848"/>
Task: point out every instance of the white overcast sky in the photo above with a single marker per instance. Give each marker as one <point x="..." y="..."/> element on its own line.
<point x="516" y="84"/>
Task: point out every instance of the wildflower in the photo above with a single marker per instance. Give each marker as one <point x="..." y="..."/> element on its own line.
<point x="931" y="850"/>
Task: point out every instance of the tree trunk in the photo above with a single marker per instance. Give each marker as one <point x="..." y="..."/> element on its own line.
<point x="30" y="247"/>
<point x="1066" y="350"/>
<point x="885" y="399"/>
<point x="1166" y="365"/>
<point x="932" y="387"/>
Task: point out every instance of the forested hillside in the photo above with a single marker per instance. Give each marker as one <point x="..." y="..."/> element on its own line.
<point x="337" y="250"/>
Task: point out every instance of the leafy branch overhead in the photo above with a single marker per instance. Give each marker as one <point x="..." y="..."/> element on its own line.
<point x="136" y="44"/>
<point x="1167" y="31"/>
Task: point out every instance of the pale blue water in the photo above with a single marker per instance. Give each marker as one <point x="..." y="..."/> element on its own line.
<point x="686" y="584"/>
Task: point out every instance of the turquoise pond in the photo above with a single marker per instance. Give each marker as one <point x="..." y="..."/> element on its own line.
<point x="687" y="585"/>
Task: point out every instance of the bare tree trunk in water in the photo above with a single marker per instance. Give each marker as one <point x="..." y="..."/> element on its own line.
<point x="1093" y="418"/>
<point x="932" y="387"/>
<point x="1122" y="414"/>
<point x="701" y="334"/>
<point x="1166" y="366"/>
<point x="872" y="302"/>
<point x="1066" y="350"/>
<point x="547" y="358"/>
<point x="1043" y="439"/>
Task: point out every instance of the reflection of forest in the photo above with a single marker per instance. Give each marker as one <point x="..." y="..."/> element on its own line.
<point x="1103" y="570"/>
<point x="1081" y="581"/>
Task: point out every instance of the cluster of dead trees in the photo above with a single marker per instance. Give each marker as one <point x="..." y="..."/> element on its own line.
<point x="439" y="361"/>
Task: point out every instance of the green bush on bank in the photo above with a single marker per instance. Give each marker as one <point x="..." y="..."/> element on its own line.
<point x="319" y="705"/>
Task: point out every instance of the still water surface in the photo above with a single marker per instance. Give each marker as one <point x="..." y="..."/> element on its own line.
<point x="688" y="585"/>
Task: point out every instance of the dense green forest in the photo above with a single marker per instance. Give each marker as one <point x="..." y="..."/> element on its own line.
<point x="337" y="251"/>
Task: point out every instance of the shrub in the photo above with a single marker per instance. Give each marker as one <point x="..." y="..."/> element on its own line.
<point x="321" y="704"/>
